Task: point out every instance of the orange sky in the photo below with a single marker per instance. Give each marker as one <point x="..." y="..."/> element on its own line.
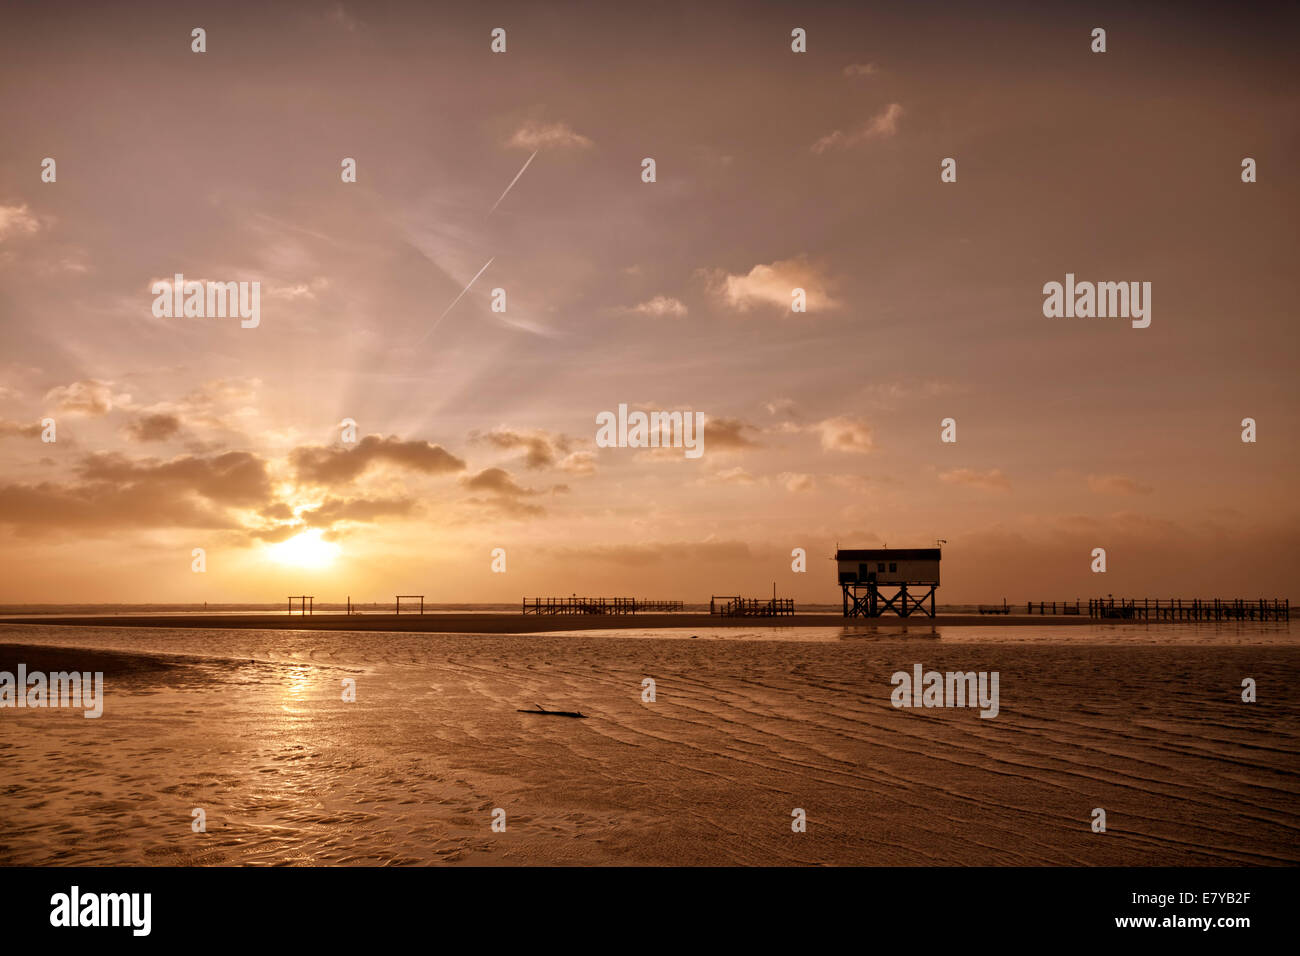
<point x="774" y="170"/>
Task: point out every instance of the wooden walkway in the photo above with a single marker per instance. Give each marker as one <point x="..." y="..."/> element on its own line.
<point x="1193" y="609"/>
<point x="736" y="606"/>
<point x="582" y="605"/>
<point x="1051" y="607"/>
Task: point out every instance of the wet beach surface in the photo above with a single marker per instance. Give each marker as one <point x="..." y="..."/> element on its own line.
<point x="251" y="727"/>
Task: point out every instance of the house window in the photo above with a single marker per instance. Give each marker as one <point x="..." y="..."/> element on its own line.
<point x="893" y="566"/>
<point x="880" y="566"/>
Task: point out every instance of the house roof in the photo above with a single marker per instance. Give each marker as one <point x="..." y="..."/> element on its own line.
<point x="889" y="554"/>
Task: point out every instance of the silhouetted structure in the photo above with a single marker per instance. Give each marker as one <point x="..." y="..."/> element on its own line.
<point x="1051" y="607"/>
<point x="410" y="597"/>
<point x="302" y="600"/>
<point x="1191" y="609"/>
<point x="735" y="606"/>
<point x="866" y="577"/>
<point x="583" y="605"/>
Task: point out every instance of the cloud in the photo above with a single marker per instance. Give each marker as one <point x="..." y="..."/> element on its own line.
<point x="223" y="390"/>
<point x="579" y="463"/>
<point x="843" y="433"/>
<point x="861" y="69"/>
<point x="90" y="397"/>
<point x="17" y="221"/>
<point x="232" y="478"/>
<point x="773" y="284"/>
<point x="505" y="491"/>
<point x="781" y="406"/>
<point x="659" y="307"/>
<point x="991" y="480"/>
<point x="508" y="507"/>
<point x="729" y="476"/>
<point x="797" y="483"/>
<point x="534" y="135"/>
<point x="1116" y="485"/>
<point x="881" y="126"/>
<point x="726" y="433"/>
<point x="301" y="290"/>
<point x="157" y="427"/>
<point x="98" y="507"/>
<point x="323" y="465"/>
<point x="497" y="481"/>
<point x="333" y="510"/>
<point x="114" y="494"/>
<point x="541" y="449"/>
<point x="17" y="429"/>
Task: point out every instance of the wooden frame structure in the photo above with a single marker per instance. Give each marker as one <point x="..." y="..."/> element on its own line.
<point x="733" y="605"/>
<point x="868" y="600"/>
<point x="303" y="604"/>
<point x="410" y="597"/>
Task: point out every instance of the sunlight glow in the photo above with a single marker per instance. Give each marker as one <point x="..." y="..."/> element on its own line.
<point x="305" y="550"/>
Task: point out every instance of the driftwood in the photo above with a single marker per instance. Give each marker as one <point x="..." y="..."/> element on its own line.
<point x="553" y="713"/>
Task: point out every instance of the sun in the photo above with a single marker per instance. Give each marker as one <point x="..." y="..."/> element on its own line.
<point x="305" y="550"/>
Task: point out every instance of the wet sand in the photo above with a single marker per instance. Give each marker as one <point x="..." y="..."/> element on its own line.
<point x="250" y="726"/>
<point x="533" y="623"/>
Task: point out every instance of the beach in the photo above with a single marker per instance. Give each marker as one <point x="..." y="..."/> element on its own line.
<point x="506" y="623"/>
<point x="748" y="725"/>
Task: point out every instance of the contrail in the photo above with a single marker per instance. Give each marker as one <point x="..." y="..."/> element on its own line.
<point x="459" y="297"/>
<point x="512" y="183"/>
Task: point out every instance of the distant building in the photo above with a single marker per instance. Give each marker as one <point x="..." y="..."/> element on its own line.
<point x="863" y="571"/>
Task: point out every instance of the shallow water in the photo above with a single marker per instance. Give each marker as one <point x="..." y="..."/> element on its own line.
<point x="1146" y="722"/>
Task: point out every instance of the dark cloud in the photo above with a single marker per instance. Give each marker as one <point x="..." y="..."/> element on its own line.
<point x="17" y="429"/>
<point x="727" y="433"/>
<point x="103" y="507"/>
<point x="157" y="427"/>
<point x="497" y="481"/>
<point x="324" y="465"/>
<point x="111" y="492"/>
<point x="541" y="450"/>
<point x="237" y="478"/>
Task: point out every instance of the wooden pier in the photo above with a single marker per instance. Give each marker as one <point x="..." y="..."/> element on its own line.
<point x="582" y="605"/>
<point x="1193" y="609"/>
<point x="735" y="606"/>
<point x="1054" y="607"/>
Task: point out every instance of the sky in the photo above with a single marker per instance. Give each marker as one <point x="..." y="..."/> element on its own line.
<point x="773" y="170"/>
